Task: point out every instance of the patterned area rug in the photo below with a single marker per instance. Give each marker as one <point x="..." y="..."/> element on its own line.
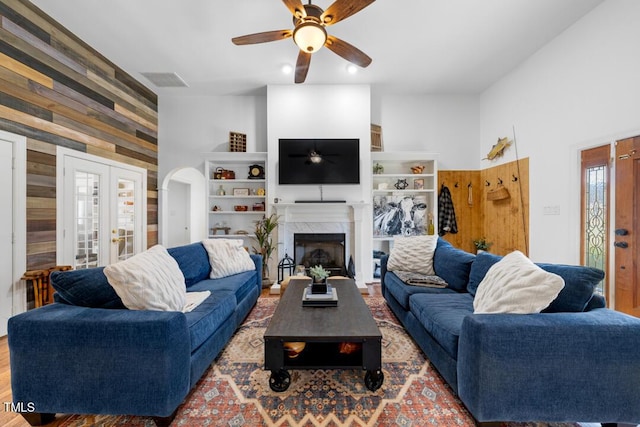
<point x="235" y="390"/>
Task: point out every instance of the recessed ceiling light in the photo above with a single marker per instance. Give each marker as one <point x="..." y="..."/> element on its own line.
<point x="287" y="69"/>
<point x="352" y="69"/>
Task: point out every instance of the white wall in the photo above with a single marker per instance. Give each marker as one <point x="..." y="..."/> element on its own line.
<point x="580" y="90"/>
<point x="191" y="126"/>
<point x="445" y="124"/>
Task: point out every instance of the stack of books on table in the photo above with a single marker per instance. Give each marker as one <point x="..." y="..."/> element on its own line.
<point x="329" y="299"/>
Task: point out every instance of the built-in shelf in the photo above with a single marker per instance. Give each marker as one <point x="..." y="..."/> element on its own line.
<point x="224" y="214"/>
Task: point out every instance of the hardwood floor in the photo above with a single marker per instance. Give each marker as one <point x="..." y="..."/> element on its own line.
<point x="12" y="419"/>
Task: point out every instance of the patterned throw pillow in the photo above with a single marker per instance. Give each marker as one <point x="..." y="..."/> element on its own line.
<point x="413" y="254"/>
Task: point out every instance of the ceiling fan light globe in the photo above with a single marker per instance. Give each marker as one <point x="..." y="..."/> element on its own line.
<point x="310" y="36"/>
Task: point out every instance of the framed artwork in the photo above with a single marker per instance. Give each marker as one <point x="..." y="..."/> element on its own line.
<point x="240" y="191"/>
<point x="395" y="215"/>
<point x="418" y="184"/>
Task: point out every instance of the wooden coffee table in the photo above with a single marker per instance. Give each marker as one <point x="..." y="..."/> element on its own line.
<point x="324" y="332"/>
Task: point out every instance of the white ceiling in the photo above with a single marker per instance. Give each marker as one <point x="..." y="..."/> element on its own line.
<point x="417" y="46"/>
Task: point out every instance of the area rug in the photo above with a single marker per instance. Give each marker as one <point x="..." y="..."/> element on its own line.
<point x="235" y="390"/>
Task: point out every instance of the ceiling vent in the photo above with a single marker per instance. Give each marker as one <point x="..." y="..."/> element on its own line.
<point x="165" y="79"/>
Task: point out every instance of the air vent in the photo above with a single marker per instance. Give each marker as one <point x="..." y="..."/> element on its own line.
<point x="165" y="79"/>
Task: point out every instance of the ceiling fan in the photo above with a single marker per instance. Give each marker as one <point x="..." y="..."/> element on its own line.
<point x="310" y="35"/>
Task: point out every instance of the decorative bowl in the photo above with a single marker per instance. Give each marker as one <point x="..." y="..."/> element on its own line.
<point x="240" y="208"/>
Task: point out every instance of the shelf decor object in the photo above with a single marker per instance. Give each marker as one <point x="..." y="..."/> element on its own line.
<point x="237" y="142"/>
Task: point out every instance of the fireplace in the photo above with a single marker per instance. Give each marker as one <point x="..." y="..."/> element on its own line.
<point x="325" y="249"/>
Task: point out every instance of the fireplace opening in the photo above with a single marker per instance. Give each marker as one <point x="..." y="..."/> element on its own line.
<point x="325" y="249"/>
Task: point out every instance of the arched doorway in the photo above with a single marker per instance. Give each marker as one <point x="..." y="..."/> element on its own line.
<point x="182" y="186"/>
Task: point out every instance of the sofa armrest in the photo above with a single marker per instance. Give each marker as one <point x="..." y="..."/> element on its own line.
<point x="75" y="359"/>
<point x="384" y="260"/>
<point x="257" y="261"/>
<point x="551" y="367"/>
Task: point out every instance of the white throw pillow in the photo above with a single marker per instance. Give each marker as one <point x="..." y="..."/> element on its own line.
<point x="413" y="254"/>
<point x="227" y="257"/>
<point x="516" y="285"/>
<point x="150" y="280"/>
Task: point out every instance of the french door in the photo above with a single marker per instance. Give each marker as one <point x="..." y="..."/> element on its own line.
<point x="103" y="211"/>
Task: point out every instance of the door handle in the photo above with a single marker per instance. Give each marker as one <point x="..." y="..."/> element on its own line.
<point x="114" y="240"/>
<point x="622" y="232"/>
<point x="623" y="245"/>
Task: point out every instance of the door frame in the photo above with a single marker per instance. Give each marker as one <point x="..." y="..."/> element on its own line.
<point x="61" y="154"/>
<point x="19" y="252"/>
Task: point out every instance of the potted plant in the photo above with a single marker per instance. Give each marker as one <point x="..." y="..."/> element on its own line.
<point x="264" y="228"/>
<point x="319" y="275"/>
<point x="481" y="244"/>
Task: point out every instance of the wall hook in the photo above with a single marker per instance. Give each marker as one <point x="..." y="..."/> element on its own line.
<point x="456" y="184"/>
<point x="487" y="183"/>
<point x="514" y="178"/>
<point x="499" y="181"/>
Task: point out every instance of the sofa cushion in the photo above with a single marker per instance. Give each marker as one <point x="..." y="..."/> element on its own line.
<point x="442" y="316"/>
<point x="516" y="285"/>
<point x="452" y="264"/>
<point x="193" y="261"/>
<point x="87" y="288"/>
<point x="207" y="317"/>
<point x="413" y="254"/>
<point x="401" y="291"/>
<point x="238" y="285"/>
<point x="227" y="257"/>
<point x="579" y="282"/>
<point x="150" y="280"/>
<point x="481" y="264"/>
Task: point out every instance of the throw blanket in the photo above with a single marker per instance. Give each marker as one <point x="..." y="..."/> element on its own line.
<point x="446" y="213"/>
<point x="417" y="279"/>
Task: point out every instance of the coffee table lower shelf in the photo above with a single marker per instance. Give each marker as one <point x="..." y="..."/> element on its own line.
<point x="323" y="355"/>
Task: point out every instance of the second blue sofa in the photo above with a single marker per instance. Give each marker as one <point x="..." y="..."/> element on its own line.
<point x="575" y="361"/>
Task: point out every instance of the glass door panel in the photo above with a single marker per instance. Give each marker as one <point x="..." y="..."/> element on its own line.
<point x="127" y="224"/>
<point x="87" y="220"/>
<point x="126" y="218"/>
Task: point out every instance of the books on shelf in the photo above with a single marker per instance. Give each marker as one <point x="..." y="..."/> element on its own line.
<point x="329" y="299"/>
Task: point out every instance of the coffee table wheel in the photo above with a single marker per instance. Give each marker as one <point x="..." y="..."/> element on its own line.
<point x="374" y="379"/>
<point x="279" y="380"/>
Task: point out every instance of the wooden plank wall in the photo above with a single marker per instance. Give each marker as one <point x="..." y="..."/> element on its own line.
<point x="58" y="91"/>
<point x="468" y="210"/>
<point x="501" y="222"/>
<point x="506" y="222"/>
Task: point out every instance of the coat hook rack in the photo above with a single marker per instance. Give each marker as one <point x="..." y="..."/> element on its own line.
<point x="514" y="178"/>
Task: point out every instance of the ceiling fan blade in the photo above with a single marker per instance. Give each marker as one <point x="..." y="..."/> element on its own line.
<point x="347" y="51"/>
<point x="296" y="8"/>
<point x="302" y="66"/>
<point x="267" y="36"/>
<point x="342" y="9"/>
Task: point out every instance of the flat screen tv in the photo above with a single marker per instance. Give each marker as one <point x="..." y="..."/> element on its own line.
<point x="319" y="161"/>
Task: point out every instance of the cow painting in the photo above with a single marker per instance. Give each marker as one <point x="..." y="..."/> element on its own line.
<point x="398" y="216"/>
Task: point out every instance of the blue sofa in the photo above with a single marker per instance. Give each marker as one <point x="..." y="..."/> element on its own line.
<point x="87" y="354"/>
<point x="574" y="362"/>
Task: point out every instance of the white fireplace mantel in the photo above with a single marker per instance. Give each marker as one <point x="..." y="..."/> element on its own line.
<point x="321" y="217"/>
